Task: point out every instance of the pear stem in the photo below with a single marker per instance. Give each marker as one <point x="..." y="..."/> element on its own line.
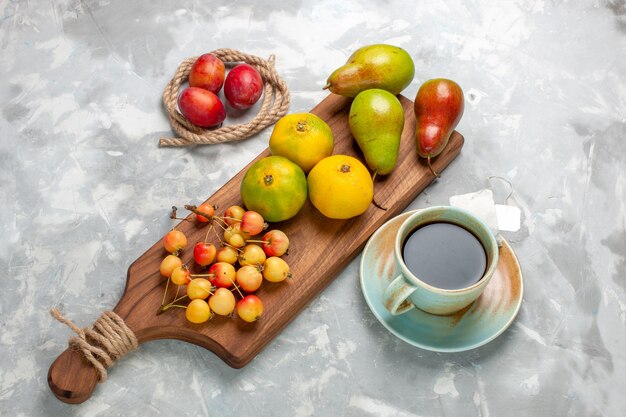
<point x="374" y="199"/>
<point x="326" y="87"/>
<point x="435" y="173"/>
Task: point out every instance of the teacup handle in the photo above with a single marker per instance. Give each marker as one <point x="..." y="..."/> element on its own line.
<point x="395" y="297"/>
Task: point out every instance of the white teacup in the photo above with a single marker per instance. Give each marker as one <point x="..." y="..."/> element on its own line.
<point x="408" y="291"/>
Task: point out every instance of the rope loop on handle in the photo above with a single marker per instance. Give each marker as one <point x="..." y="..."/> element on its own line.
<point x="105" y="342"/>
<point x="274" y="106"/>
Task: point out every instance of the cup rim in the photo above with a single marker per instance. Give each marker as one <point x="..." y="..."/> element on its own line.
<point x="408" y="274"/>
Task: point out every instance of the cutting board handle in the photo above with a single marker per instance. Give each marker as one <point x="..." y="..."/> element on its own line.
<point x="71" y="377"/>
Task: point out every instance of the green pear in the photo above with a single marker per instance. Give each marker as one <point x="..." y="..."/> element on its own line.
<point x="376" y="122"/>
<point x="375" y="66"/>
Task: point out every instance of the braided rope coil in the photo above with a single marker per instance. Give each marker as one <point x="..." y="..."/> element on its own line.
<point x="275" y="103"/>
<point x="104" y="343"/>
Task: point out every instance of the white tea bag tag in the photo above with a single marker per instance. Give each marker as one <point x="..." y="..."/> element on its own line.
<point x="481" y="205"/>
<point x="508" y="217"/>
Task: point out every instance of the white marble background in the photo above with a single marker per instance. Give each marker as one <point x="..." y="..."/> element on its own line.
<point x="84" y="190"/>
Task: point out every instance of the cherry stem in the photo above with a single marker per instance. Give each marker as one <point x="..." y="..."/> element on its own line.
<point x="174" y="217"/>
<point x="257" y="241"/>
<point x="221" y="219"/>
<point x="206" y="237"/>
<point x="167" y="306"/>
<point x="230" y="218"/>
<point x="167" y="284"/>
<point x="229" y="245"/>
<point x="236" y="287"/>
<point x="223" y="228"/>
<point x="201" y="275"/>
<point x="163" y="309"/>
<point x="219" y="239"/>
<point x="180" y="298"/>
<point x="195" y="210"/>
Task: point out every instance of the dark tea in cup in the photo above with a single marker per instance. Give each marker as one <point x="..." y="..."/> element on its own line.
<point x="444" y="255"/>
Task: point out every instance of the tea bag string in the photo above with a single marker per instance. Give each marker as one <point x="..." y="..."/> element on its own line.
<point x="505" y="180"/>
<point x="105" y="342"/>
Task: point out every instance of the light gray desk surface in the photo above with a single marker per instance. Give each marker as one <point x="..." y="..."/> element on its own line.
<point x="85" y="191"/>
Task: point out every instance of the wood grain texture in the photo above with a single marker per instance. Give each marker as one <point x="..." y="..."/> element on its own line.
<point x="312" y="238"/>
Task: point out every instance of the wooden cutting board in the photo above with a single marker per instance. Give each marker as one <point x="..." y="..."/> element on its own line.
<point x="319" y="250"/>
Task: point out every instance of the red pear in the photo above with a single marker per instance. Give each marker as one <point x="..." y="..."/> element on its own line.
<point x="438" y="110"/>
